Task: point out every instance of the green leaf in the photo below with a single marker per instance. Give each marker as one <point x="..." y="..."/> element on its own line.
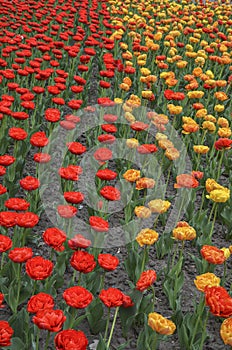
<point x="126" y="321"/>
<point x="5" y="291"/>
<point x="203" y="240"/>
<point x="164" y="245"/>
<point x="3" y="282"/>
<point x="34" y="130"/>
<point x="190" y="321"/>
<point x="177" y="268"/>
<point x="102" y="345"/>
<point x="16" y="344"/>
<point x="128" y="315"/>
<point x="183" y="336"/>
<point x="95" y="313"/>
<point x="142" y="343"/>
<point x="25" y="293"/>
<point x="24" y="148"/>
<point x="10" y="294"/>
<point x="13" y="187"/>
<point x="172" y="287"/>
<point x="179" y="282"/>
<point x="199" y="219"/>
<point x="79" y="320"/>
<point x="146" y="305"/>
<point x="148" y="339"/>
<point x="20" y="323"/>
<point x="122" y="346"/>
<point x="133" y="265"/>
<point x="225" y="215"/>
<point x="33" y="341"/>
<point x="93" y="281"/>
<point x="59" y="281"/>
<point x="202" y="265"/>
<point x="67" y="321"/>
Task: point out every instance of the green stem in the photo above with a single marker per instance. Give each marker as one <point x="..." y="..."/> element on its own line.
<point x="153" y="295"/>
<point x="46" y="284"/>
<point x="168" y="177"/>
<point x="52" y="254"/>
<point x="183" y="199"/>
<point x="74" y="276"/>
<point x="203" y="331"/>
<point x="15" y="153"/>
<point x="210" y="155"/>
<point x="145" y="252"/>
<point x="47" y="340"/>
<point x="203" y="136"/>
<point x="112" y="328"/>
<point x="98" y="242"/>
<point x="25" y="234"/>
<point x="154" y="341"/>
<point x="73" y="318"/>
<point x="214" y="219"/>
<point x="69" y="227"/>
<point x="16" y="237"/>
<point x="34" y="287"/>
<point x="18" y="286"/>
<point x="198" y="161"/>
<point x="37" y="339"/>
<point x="102" y="281"/>
<point x="36" y="199"/>
<point x="219" y="166"/>
<point x="224" y="273"/>
<point x="107" y="324"/>
<point x="202" y="201"/>
<point x="211" y="212"/>
<point x="174" y="256"/>
<point x="2" y="259"/>
<point x="156" y="220"/>
<point x="79" y="279"/>
<point x="200" y="311"/>
<point x="182" y="249"/>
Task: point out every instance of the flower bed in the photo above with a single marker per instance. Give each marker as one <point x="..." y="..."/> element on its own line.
<point x="115" y="175"/>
